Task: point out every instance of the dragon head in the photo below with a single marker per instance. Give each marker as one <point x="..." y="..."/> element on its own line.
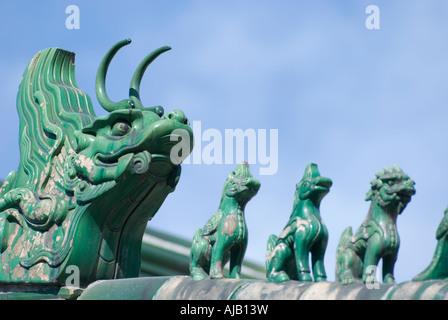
<point x="392" y="189"/>
<point x="131" y="135"/>
<point x="312" y="186"/>
<point x="87" y="184"/>
<point x="240" y="184"/>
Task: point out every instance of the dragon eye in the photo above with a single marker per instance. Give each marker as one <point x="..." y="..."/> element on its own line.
<point x="120" y="128"/>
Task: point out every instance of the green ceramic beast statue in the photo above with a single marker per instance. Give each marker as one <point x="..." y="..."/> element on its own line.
<point x="85" y="186"/>
<point x="377" y="238"/>
<point x="224" y="236"/>
<point x="287" y="256"/>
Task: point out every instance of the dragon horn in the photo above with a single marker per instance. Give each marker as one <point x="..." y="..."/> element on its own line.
<point x="134" y="90"/>
<point x="100" y="86"/>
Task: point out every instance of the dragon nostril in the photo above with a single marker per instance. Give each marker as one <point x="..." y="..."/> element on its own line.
<point x="177" y="115"/>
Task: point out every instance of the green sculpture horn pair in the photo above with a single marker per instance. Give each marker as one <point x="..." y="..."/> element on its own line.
<point x="134" y="90"/>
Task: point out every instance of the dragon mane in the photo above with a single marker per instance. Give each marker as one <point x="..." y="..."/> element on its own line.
<point x="51" y="108"/>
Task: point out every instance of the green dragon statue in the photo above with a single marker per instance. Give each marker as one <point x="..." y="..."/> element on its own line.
<point x="85" y="186"/>
<point x="438" y="268"/>
<point x="377" y="237"/>
<point x="224" y="236"/>
<point x="287" y="255"/>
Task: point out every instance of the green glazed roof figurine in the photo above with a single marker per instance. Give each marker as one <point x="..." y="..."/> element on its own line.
<point x="224" y="236"/>
<point x="287" y="256"/>
<point x="438" y="268"/>
<point x="377" y="238"/>
<point x="85" y="186"/>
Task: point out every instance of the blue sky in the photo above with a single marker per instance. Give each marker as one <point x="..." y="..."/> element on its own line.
<point x="349" y="99"/>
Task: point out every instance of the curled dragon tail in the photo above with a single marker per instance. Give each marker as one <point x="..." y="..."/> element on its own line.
<point x="272" y="241"/>
<point x="438" y="268"/>
<point x="341" y="250"/>
<point x="8" y="183"/>
<point x="343" y="240"/>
